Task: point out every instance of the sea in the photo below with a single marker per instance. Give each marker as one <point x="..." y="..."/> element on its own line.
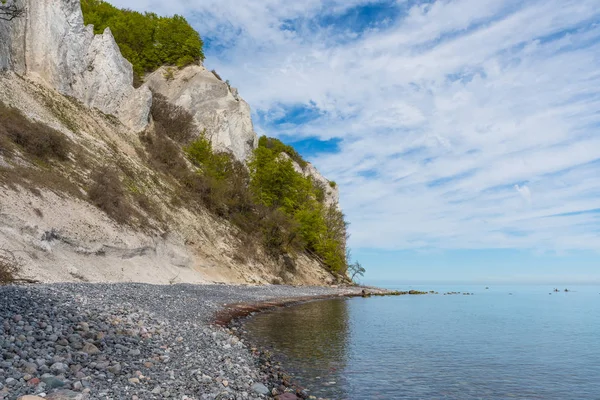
<point x="498" y="342"/>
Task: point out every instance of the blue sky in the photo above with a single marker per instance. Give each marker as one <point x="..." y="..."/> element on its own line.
<point x="464" y="134"/>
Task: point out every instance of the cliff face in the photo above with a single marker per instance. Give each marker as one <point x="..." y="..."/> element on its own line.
<point x="47" y="219"/>
<point x="55" y="71"/>
<point x="215" y="106"/>
<point x="224" y="114"/>
<point x="50" y="44"/>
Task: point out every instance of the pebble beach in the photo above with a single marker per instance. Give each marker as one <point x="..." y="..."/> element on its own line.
<point x="137" y="341"/>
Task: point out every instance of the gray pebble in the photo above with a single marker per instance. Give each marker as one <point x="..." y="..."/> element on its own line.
<point x="93" y="338"/>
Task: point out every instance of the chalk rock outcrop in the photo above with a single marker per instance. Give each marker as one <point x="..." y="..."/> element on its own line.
<point x="332" y="194"/>
<point x="50" y="44"/>
<point x="215" y="106"/>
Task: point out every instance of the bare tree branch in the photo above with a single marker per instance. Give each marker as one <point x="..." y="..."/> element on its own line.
<point x="356" y="269"/>
<point x="8" y="12"/>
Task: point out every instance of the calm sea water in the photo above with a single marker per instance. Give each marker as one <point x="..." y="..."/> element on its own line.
<point x="503" y="343"/>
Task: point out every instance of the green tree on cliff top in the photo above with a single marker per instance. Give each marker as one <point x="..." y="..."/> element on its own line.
<point x="147" y="40"/>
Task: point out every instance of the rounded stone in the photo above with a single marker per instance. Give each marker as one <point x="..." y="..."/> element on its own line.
<point x="260" y="388"/>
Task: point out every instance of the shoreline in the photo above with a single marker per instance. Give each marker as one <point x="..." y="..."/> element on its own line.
<point x="235" y="316"/>
<point x="232" y="312"/>
<point x="137" y="341"/>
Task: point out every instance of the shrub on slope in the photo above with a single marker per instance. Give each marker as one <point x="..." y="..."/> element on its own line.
<point x="271" y="202"/>
<point x="10" y="266"/>
<point x="33" y="138"/>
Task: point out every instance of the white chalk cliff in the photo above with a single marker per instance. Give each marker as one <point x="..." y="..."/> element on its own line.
<point x="332" y="194"/>
<point x="50" y="44"/>
<point x="220" y="110"/>
<point x="215" y="106"/>
<point x="54" y="70"/>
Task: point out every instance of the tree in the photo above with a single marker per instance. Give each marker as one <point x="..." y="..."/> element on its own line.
<point x="276" y="185"/>
<point x="177" y="43"/>
<point x="8" y="12"/>
<point x="146" y="40"/>
<point x="356" y="269"/>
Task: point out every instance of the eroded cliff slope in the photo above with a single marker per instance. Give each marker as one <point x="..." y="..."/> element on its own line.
<point x="58" y="79"/>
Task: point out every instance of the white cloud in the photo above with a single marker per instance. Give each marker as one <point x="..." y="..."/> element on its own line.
<point x="524" y="192"/>
<point x="454" y="105"/>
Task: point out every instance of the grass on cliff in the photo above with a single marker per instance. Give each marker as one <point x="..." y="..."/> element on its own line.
<point x="55" y="163"/>
<point x="269" y="201"/>
<point x="147" y="40"/>
<point x="32" y="138"/>
<point x="44" y="150"/>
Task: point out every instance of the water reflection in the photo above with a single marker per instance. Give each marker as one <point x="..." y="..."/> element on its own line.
<point x="490" y="346"/>
<point x="311" y="340"/>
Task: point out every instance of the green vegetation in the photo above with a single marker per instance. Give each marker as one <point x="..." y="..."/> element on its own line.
<point x="146" y="40"/>
<point x="277" y="146"/>
<point x="270" y="202"/>
<point x="216" y="165"/>
<point x="275" y="184"/>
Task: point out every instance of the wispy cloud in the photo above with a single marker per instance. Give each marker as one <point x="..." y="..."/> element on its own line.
<point x="458" y="124"/>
